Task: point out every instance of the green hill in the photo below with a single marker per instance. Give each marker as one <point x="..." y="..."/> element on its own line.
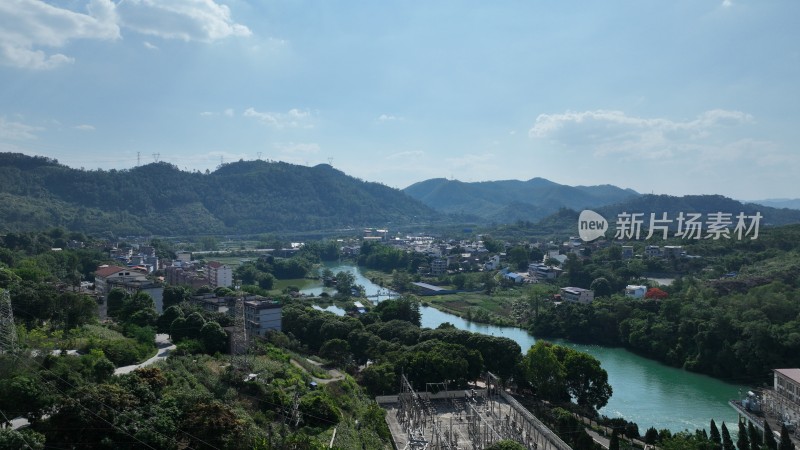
<point x="512" y="200"/>
<point x="158" y="198"/>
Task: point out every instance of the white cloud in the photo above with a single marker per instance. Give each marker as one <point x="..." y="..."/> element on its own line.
<point x="388" y="118"/>
<point x="294" y="118"/>
<point x="187" y="20"/>
<point x="85" y="127"/>
<point x="150" y="46"/>
<point x="28" y="25"/>
<point x="297" y="148"/>
<point x="727" y="3"/>
<point x="17" y="131"/>
<point x="411" y="154"/>
<point x="228" y="112"/>
<point x="614" y="132"/>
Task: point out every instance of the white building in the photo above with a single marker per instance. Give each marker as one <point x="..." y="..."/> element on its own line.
<point x="635" y="291"/>
<point x="219" y="275"/>
<point x="577" y="295"/>
<point x="106" y="274"/>
<point x="261" y="316"/>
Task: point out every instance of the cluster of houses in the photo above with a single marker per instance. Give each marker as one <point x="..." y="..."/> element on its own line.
<point x="260" y="314"/>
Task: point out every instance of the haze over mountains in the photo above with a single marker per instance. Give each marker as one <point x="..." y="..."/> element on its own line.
<point x="249" y="197"/>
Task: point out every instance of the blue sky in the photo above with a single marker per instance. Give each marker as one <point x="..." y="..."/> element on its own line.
<point x="675" y="97"/>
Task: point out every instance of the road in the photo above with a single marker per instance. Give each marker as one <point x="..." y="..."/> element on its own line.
<point x="165" y="347"/>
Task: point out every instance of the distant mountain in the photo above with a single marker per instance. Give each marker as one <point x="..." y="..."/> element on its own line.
<point x="698" y="204"/>
<point x="158" y="198"/>
<point x="512" y="200"/>
<point x="793" y="203"/>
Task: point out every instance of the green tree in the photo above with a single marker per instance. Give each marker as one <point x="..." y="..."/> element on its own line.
<point x="25" y="438"/>
<point x="714" y="435"/>
<point x="336" y="350"/>
<point x="742" y="441"/>
<point x="613" y="443"/>
<point x="727" y="442"/>
<point x="115" y="301"/>
<point x="755" y="436"/>
<point x="506" y="445"/>
<point x="174" y="295"/>
<point x="345" y="282"/>
<point x="601" y="287"/>
<point x="786" y="441"/>
<point x="213" y="337"/>
<point x="544" y="372"/>
<point x="769" y="437"/>
<point x="586" y="381"/>
<point x="651" y="435"/>
<point x="518" y="258"/>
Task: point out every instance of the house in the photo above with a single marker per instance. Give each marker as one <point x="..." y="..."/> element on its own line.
<point x="635" y="291"/>
<point x="543" y="271"/>
<point x="515" y="277"/>
<point x="438" y="267"/>
<point x="784" y="397"/>
<point x="184" y="256"/>
<point x="673" y="251"/>
<point x="652" y="251"/>
<point x="577" y="295"/>
<point x="261" y="315"/>
<point x="219" y="275"/>
<point x="493" y="263"/>
<point x="106" y="273"/>
<point x="133" y="286"/>
<point x="627" y="251"/>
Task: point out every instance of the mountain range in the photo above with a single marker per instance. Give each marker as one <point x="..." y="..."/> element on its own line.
<point x="158" y="198"/>
<point x="250" y="197"/>
<point x="511" y="200"/>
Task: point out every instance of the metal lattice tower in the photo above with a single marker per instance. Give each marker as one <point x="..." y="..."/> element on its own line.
<point x="239" y="339"/>
<point x="8" y="331"/>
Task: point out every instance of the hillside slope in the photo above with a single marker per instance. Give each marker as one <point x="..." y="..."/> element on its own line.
<point x="158" y="198"/>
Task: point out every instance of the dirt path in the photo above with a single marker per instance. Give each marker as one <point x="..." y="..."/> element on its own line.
<point x="335" y="374"/>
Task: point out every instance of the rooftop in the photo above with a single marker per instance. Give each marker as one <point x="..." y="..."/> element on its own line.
<point x="792" y="374"/>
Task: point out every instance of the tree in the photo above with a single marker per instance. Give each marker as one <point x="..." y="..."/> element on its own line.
<point x="601" y="287"/>
<point x="586" y="381"/>
<point x="786" y="441"/>
<point x="174" y="295"/>
<point x="213" y="337"/>
<point x="754" y="435"/>
<point x="714" y="435"/>
<point x="544" y="372"/>
<point x="345" y="282"/>
<point x="651" y="435"/>
<point x="115" y="301"/>
<point x="518" y="258"/>
<point x="506" y="445"/>
<point x="655" y="294"/>
<point x="742" y="441"/>
<point x="727" y="442"/>
<point x="769" y="437"/>
<point x="336" y="350"/>
<point x="25" y="438"/>
<point x="613" y="443"/>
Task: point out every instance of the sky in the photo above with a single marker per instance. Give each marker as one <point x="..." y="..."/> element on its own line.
<point x="664" y="96"/>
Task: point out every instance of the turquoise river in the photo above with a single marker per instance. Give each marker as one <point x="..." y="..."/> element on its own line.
<point x="645" y="391"/>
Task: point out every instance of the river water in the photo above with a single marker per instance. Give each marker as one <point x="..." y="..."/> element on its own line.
<point x="645" y="391"/>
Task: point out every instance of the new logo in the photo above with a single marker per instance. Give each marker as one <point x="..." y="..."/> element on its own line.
<point x="591" y="225"/>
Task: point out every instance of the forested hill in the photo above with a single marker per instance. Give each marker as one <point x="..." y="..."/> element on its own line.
<point x="511" y="200"/>
<point x="158" y="198"/>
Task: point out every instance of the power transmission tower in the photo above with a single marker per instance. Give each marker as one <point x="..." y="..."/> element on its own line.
<point x="239" y="337"/>
<point x="330" y="161"/>
<point x="156" y="156"/>
<point x="8" y="331"/>
<point x="259" y="156"/>
<point x="138" y="159"/>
